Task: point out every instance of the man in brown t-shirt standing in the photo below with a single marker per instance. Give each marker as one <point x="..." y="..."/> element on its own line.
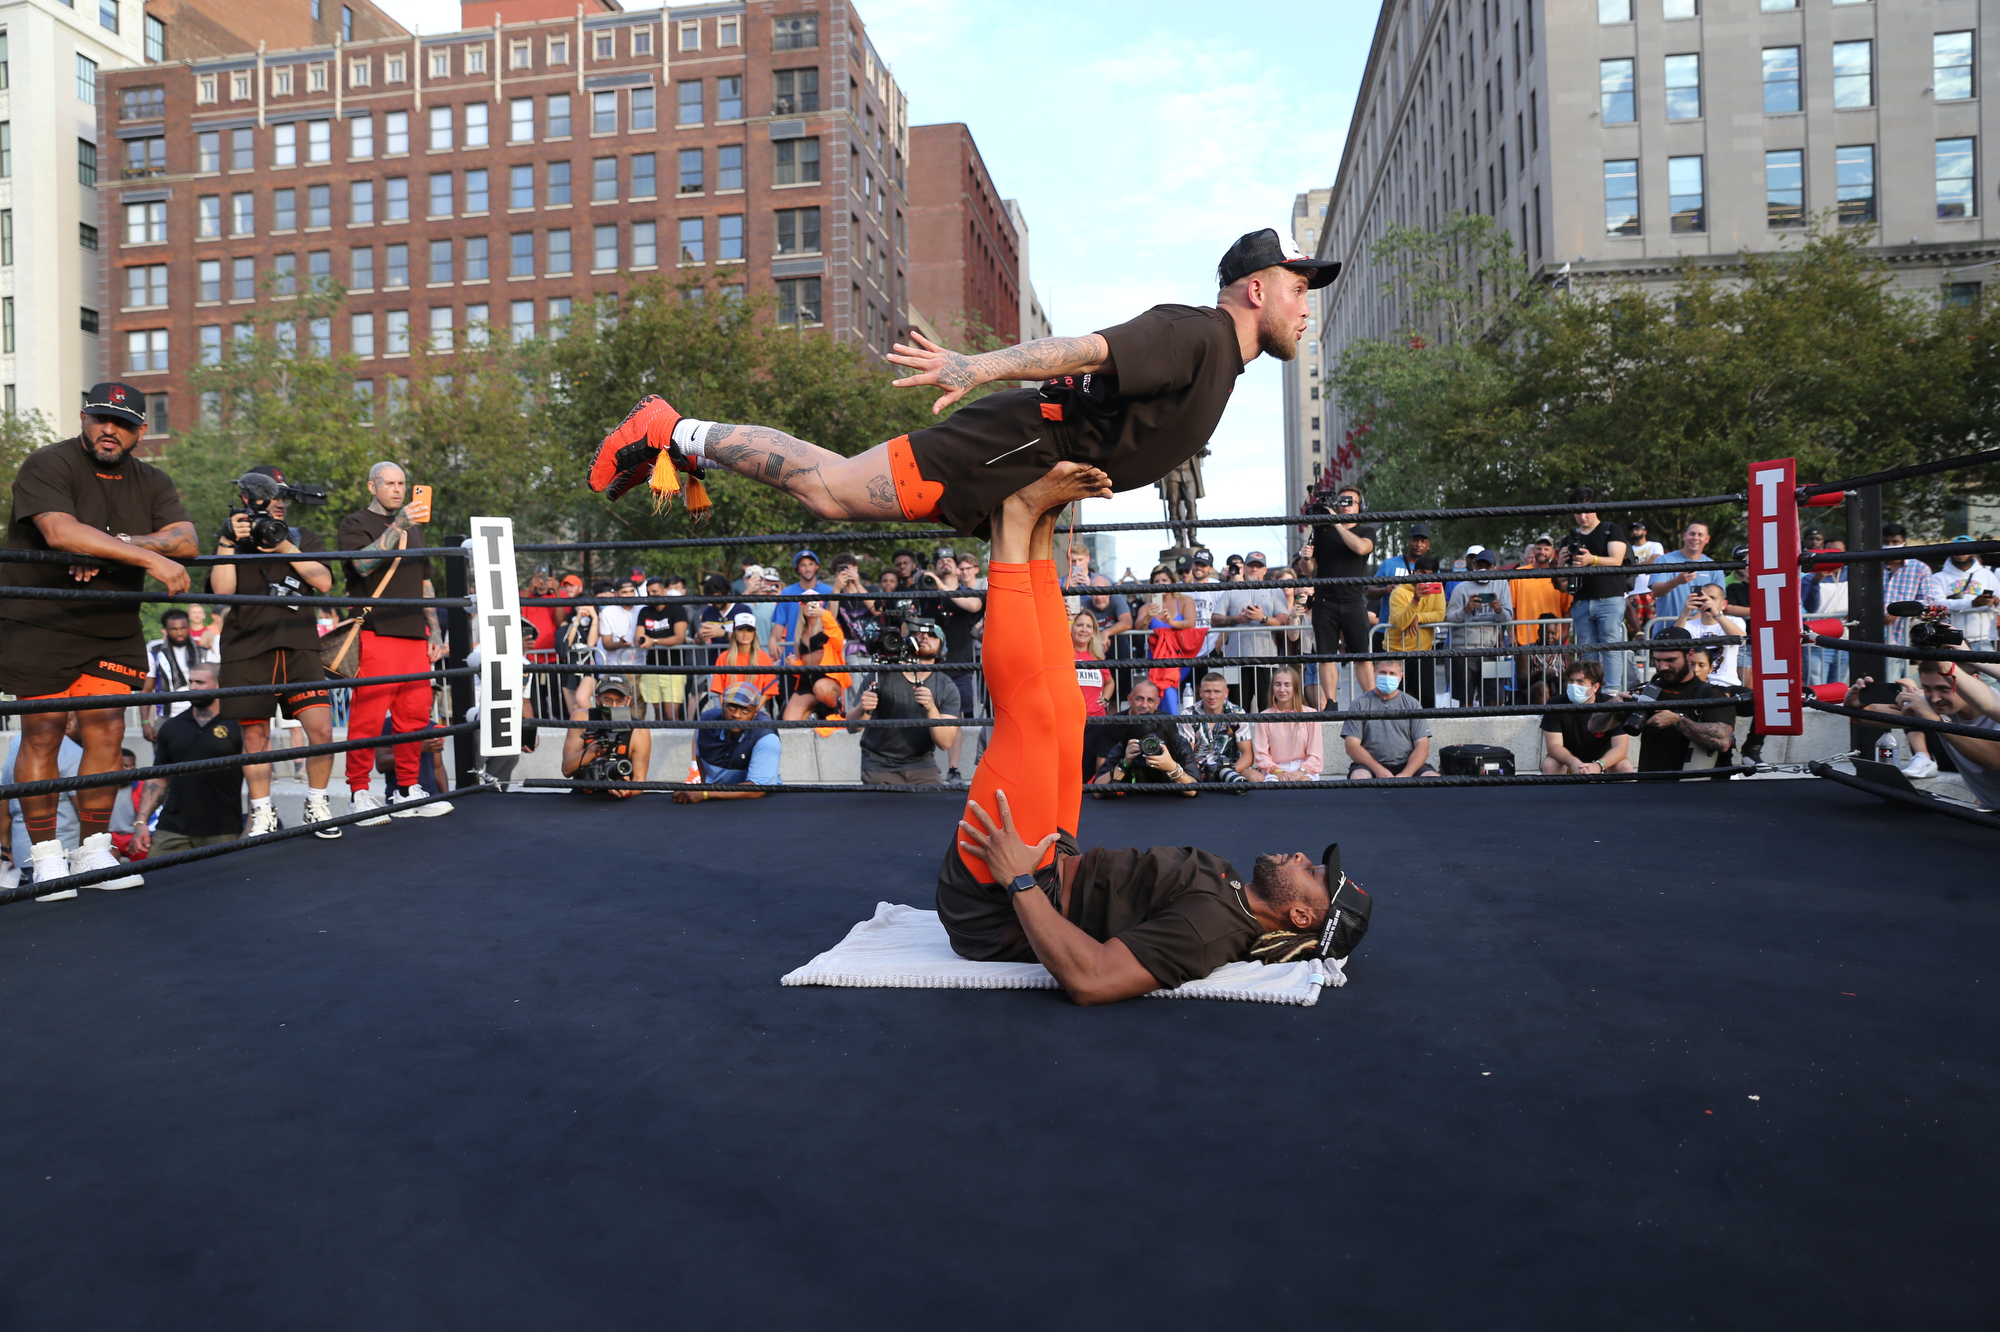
<point x="1134" y="401"/>
<point x="394" y="640"/>
<point x="90" y="497"/>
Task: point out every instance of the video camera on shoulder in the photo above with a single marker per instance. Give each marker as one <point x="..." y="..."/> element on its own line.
<point x="1933" y="624"/>
<point x="893" y="642"/>
<point x="259" y="491"/>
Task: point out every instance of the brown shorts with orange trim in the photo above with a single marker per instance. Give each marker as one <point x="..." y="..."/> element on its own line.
<point x="40" y="661"/>
<point x="963" y="468"/>
<point x="280" y="666"/>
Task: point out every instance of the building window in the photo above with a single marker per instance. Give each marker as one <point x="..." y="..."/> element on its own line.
<point x="729" y="167"/>
<point x="396" y="134"/>
<point x="361" y="203"/>
<point x="441" y="328"/>
<point x="559" y="308"/>
<point x="396" y="201"/>
<point x="1854" y="184"/>
<point x="691" y="35"/>
<point x="794" y="91"/>
<point x="603" y="179"/>
<point x="645" y="244"/>
<point x="795" y="34"/>
<point x="440" y="129"/>
<point x="1621" y="198"/>
<point x="475" y="258"/>
<point x="1955" y="194"/>
<point x="1781" y="79"/>
<point x="156" y="45"/>
<point x="242" y="150"/>
<point x="6" y="236"/>
<point x="521" y="120"/>
<point x="319" y="336"/>
<point x="205" y="92"/>
<point x="286" y="267"/>
<point x="559" y="253"/>
<point x="1615" y="99"/>
<point x="690" y="177"/>
<point x="475" y="325"/>
<point x="284" y="210"/>
<point x="396" y="330"/>
<point x="360" y="72"/>
<point x="7" y="334"/>
<point x="644" y="181"/>
<point x="1683" y="83"/>
<point x="729" y="98"/>
<point x="798" y="231"/>
<point x="475" y="191"/>
<point x="393" y="69"/>
<point x="146" y="285"/>
<point x="1951" y="66"/>
<point x="1961" y="295"/>
<point x="86" y="319"/>
<point x="642" y="108"/>
<point x="319" y="270"/>
<point x="520" y="187"/>
<point x="145" y="223"/>
<point x="86" y="82"/>
<point x="1614" y="11"/>
<point x="521" y="254"/>
<point x="727" y="32"/>
<point x="689" y="94"/>
<point x="475" y="125"/>
<point x="319" y="206"/>
<point x="316" y="77"/>
<point x="604" y="248"/>
<point x="604" y="113"/>
<point x="558" y="187"/>
<point x="797" y="161"/>
<point x="559" y="50"/>
<point x="145" y="157"/>
<point x="559" y="116"/>
<point x="7" y="148"/>
<point x="208" y="345"/>
<point x="642" y="41"/>
<point x="86" y="161"/>
<point x="1784" y="189"/>
<point x="242" y="279"/>
<point x="729" y="237"/>
<point x="1686" y="214"/>
<point x="107" y="14"/>
<point x="208" y="153"/>
<point x="361" y="268"/>
<point x="146" y="351"/>
<point x="285" y="146"/>
<point x="281" y="82"/>
<point x="440" y="261"/>
<point x="396" y="266"/>
<point x="1853" y="74"/>
<point x="364" y="393"/>
<point x="441" y="64"/>
<point x="692" y="251"/>
<point x="440" y="205"/>
<point x="521" y="320"/>
<point x="798" y="300"/>
<point x="520" y="55"/>
<point x="239" y="87"/>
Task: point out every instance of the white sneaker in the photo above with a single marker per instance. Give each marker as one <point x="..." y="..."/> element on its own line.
<point x="429" y="811"/>
<point x="51" y="862"/>
<point x="263" y="819"/>
<point x="1920" y="765"/>
<point x="318" y="810"/>
<point x="361" y="800"/>
<point x="95" y="854"/>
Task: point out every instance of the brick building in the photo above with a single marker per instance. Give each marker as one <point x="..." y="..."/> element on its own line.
<point x="202" y="29"/>
<point x="499" y="176"/>
<point x="965" y="261"/>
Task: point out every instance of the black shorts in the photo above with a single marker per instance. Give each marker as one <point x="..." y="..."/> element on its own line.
<point x="282" y="666"/>
<point x="979" y="917"/>
<point x="1340" y="626"/>
<point x="1426" y="770"/>
<point x="41" y="661"/>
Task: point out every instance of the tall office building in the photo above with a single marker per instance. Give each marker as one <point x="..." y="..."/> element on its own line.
<point x="965" y="261"/>
<point x="1305" y="449"/>
<point x="495" y="177"/>
<point x="1622" y="136"/>
<point x="53" y="159"/>
<point x="1034" y="315"/>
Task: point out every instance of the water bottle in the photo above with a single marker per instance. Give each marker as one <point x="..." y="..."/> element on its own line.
<point x="1885" y="748"/>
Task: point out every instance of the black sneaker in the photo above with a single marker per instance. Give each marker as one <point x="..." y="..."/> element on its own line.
<point x="952" y="778"/>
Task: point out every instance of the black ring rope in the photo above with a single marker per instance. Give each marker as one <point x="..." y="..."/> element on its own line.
<point x="222" y="598"/>
<point x="1819" y="768"/>
<point x="1899" y="721"/>
<point x="57" y="785"/>
<point x="28" y="707"/>
<point x="1867" y="648"/>
<point x="208" y="561"/>
<point x="119" y="871"/>
<point x="1162" y="788"/>
<point x="1900" y="473"/>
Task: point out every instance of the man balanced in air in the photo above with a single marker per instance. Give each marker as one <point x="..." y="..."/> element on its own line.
<point x="1132" y="402"/>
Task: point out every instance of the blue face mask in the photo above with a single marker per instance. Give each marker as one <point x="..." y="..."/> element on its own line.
<point x="1579" y="693"/>
<point x="1386" y="685"/>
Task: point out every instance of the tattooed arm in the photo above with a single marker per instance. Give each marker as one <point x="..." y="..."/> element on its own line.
<point x="433" y="632"/>
<point x="957" y="373"/>
<point x="396" y="536"/>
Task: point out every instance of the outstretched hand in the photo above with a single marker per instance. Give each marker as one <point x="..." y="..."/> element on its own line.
<point x="949" y="370"/>
<point x="1001" y="847"/>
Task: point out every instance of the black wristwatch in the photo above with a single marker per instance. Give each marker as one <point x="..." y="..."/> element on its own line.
<point x="1022" y="883"/>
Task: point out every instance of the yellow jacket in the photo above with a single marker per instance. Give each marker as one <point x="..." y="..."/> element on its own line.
<point x="1408" y="612"/>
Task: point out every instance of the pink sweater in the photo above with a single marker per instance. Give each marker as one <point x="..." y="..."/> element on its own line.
<point x="1280" y="743"/>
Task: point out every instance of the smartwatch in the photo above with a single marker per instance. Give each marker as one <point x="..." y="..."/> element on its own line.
<point x="1022" y="883"/>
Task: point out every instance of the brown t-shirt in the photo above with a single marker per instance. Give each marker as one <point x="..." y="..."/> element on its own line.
<point x="251" y="631"/>
<point x="359" y="531"/>
<point x="1181" y="910"/>
<point x="131" y="497"/>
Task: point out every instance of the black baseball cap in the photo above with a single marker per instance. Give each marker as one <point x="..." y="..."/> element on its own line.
<point x="120" y="402"/>
<point x="1420" y="529"/>
<point x="1255" y="251"/>
<point x="1205" y="556"/>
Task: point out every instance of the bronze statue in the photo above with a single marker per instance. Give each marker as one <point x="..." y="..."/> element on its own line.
<point x="1179" y="490"/>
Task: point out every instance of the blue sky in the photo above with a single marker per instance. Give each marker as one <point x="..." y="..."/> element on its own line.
<point x="1141" y="139"/>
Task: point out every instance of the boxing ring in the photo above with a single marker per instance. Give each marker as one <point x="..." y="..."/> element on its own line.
<point x="1625" y="1054"/>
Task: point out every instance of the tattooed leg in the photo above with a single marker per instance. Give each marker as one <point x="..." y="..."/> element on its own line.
<point x="831" y="486"/>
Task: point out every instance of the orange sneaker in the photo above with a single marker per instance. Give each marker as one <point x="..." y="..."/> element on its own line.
<point x="631" y="449"/>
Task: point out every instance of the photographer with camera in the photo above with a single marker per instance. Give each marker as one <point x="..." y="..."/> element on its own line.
<point x="1222" y="747"/>
<point x="1946" y="691"/>
<point x="1144" y="749"/>
<point x="276" y="645"/>
<point x="732" y="755"/>
<point x="1597" y="608"/>
<point x="906" y="755"/>
<point x="1905" y="580"/>
<point x="1480" y="607"/>
<point x="1340" y="613"/>
<point x="1971" y="593"/>
<point x="607" y="753"/>
<point x="1691" y="738"/>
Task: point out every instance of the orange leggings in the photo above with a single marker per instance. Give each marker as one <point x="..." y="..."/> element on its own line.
<point x="1036" y="755"/>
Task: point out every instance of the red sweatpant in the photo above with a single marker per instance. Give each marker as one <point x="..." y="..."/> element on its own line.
<point x="1036" y="755"/>
<point x="409" y="704"/>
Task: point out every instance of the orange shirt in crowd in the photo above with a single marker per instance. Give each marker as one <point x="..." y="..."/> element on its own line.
<point x="1534" y="598"/>
<point x="766" y="685"/>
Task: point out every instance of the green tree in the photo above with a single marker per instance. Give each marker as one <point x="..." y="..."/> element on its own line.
<point x="21" y="433"/>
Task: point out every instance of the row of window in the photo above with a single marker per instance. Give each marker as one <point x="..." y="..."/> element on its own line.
<point x="1855" y="200"/>
<point x="1853" y="74"/>
<point x="1620" y="11"/>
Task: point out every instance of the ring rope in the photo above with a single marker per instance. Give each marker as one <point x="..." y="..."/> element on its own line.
<point x="1819" y="768"/>
<point x="261" y="557"/>
<point x="223" y="599"/>
<point x="1901" y="473"/>
<point x="1868" y="648"/>
<point x="1521" y="779"/>
<point x="28" y="707"/>
<point x="1897" y="721"/>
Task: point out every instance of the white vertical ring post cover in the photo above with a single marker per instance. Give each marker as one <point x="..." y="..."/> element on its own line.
<point x="497" y="625"/>
<point x="1776" y="614"/>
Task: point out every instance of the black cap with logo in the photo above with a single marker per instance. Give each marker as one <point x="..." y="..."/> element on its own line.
<point x="1258" y="250"/>
<point x="119" y="402"/>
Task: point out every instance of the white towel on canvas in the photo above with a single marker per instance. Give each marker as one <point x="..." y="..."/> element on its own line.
<point x="903" y="947"/>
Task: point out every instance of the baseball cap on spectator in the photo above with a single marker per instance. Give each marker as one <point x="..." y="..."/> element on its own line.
<point x="119" y="402"/>
<point x="743" y="618"/>
<point x="1256" y="558"/>
<point x="1204" y="556"/>
<point x="740" y="695"/>
<point x="1961" y="537"/>
<point x="614" y="684"/>
<point x="1674" y="631"/>
<point x="1420" y="529"/>
<point x="812" y="555"/>
<point x="1478" y="555"/>
<point x="571" y="585"/>
<point x="1183" y="564"/>
<point x="770" y="575"/>
<point x="943" y="553"/>
<point x="1545" y="540"/>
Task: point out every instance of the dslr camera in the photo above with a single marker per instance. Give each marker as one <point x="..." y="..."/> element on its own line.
<point x="1933" y="624"/>
<point x="893" y="642"/>
<point x="259" y="492"/>
<point x="1137" y="769"/>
